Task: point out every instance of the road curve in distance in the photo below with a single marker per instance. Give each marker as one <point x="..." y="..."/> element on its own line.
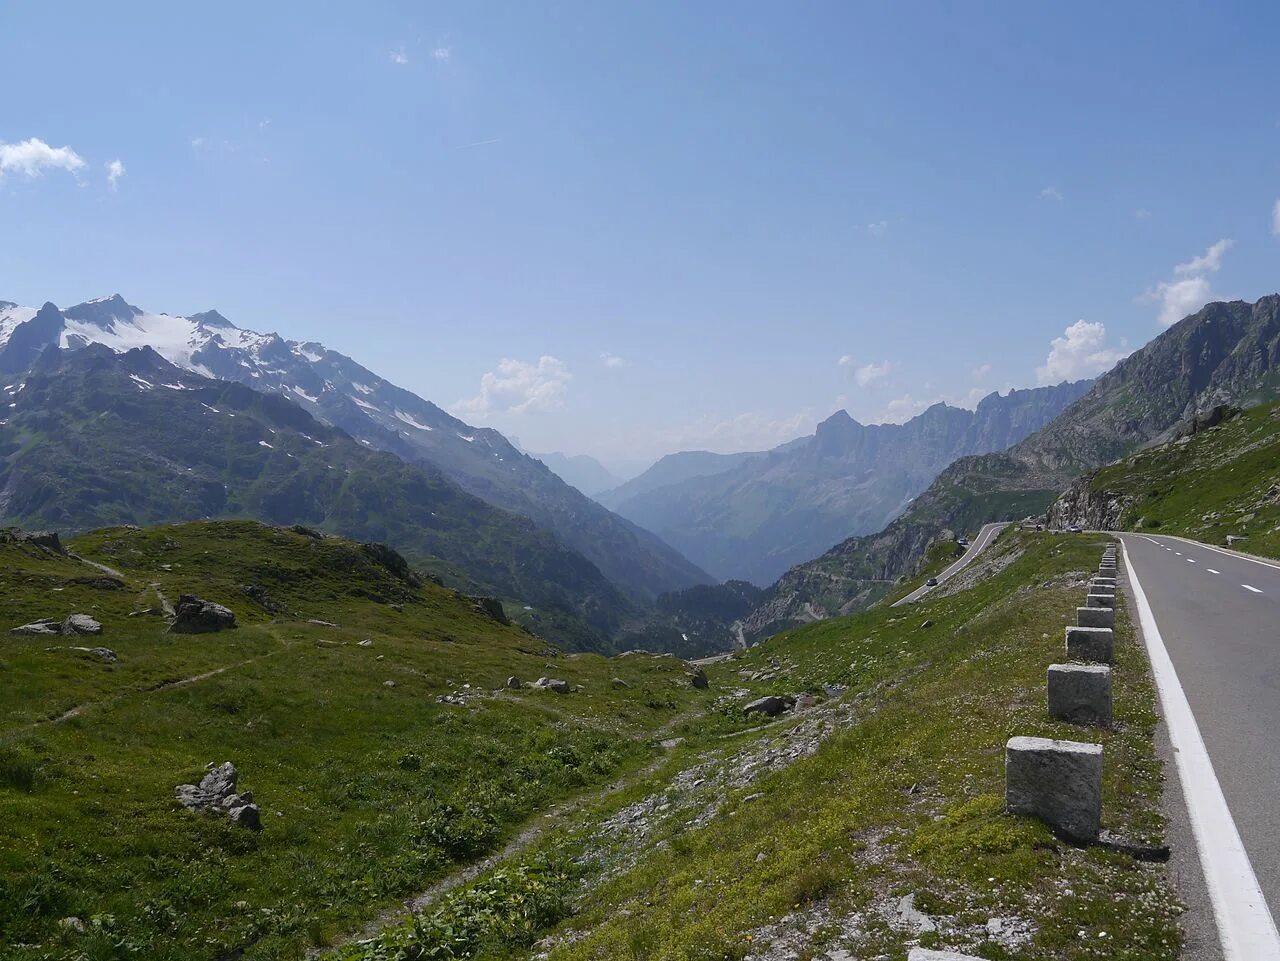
<point x="980" y="543"/>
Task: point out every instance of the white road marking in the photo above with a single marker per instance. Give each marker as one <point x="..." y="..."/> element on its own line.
<point x="1250" y="587"/>
<point x="1212" y="571"/>
<point x="1177" y="553"/>
<point x="1190" y="560"/>
<point x="1236" y="554"/>
<point x="1245" y="926"/>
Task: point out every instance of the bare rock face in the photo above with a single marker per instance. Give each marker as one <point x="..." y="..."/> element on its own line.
<point x="556" y="684"/>
<point x="216" y="793"/>
<point x="44" y="627"/>
<point x="81" y="624"/>
<point x="195" y="615"/>
<point x="770" y="706"/>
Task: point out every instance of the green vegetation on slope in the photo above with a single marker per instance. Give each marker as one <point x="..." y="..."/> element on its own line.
<point x="1220" y="482"/>
<point x="378" y="768"/>
<point x="806" y="832"/>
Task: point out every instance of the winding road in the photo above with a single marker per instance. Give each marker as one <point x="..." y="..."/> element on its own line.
<point x="1211" y="622"/>
<point x="980" y="543"/>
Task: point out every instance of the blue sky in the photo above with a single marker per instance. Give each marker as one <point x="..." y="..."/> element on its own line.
<point x="628" y="229"/>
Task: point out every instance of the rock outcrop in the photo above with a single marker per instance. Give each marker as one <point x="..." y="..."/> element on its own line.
<point x="195" y="615"/>
<point x="216" y="793"/>
<point x="1082" y="506"/>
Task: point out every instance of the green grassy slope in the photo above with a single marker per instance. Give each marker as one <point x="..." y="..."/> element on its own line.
<point x="799" y="837"/>
<point x="1219" y="482"/>
<point x="369" y="792"/>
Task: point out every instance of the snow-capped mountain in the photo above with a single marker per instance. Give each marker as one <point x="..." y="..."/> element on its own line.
<point x="341" y="392"/>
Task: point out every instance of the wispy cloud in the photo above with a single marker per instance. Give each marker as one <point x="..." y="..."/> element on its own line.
<point x="1142" y="213"/>
<point x="611" y="360"/>
<point x="981" y="371"/>
<point x="1275" y="219"/>
<point x="442" y="53"/>
<point x="1080" y="352"/>
<point x="519" y="387"/>
<point x="1190" y="288"/>
<point x="1052" y="193"/>
<point x="865" y="374"/>
<point x="33" y="157"/>
<point x="751" y="430"/>
<point x="399" y="56"/>
<point x="115" y="170"/>
<point x="878" y="229"/>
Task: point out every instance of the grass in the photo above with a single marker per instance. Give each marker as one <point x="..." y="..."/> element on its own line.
<point x="1222" y="481"/>
<point x="369" y="792"/>
<point x="903" y="797"/>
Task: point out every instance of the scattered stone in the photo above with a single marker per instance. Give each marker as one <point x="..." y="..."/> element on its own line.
<point x="195" y="615"/>
<point x="619" y="684"/>
<point x="365" y="643"/>
<point x="908" y="916"/>
<point x="556" y="684"/>
<point x="1080" y="693"/>
<point x="1095" y="644"/>
<point x="100" y="583"/>
<point x="804" y="701"/>
<point x="926" y="624"/>
<point x="216" y="793"/>
<point x="81" y="624"/>
<point x="514" y="683"/>
<point x="491" y="607"/>
<point x="1059" y="782"/>
<point x="258" y="594"/>
<point x="320" y="623"/>
<point x="927" y="954"/>
<point x="103" y="653"/>
<point x="699" y="679"/>
<point x="72" y="924"/>
<point x="388" y="683"/>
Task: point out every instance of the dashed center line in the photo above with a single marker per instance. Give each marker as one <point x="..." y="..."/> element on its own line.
<point x="1250" y="587"/>
<point x="1190" y="560"/>
<point x="1177" y="553"/>
<point x="1212" y="571"/>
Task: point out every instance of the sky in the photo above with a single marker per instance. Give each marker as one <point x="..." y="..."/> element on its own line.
<point x="624" y="229"/>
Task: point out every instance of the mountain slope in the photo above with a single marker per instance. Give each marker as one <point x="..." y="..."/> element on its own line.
<point x="94" y="438"/>
<point x="674" y="469"/>
<point x="1224" y="353"/>
<point x="341" y="392"/>
<point x="580" y="471"/>
<point x="767" y="512"/>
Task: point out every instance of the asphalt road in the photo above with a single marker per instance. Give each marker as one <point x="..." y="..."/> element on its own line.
<point x="979" y="544"/>
<point x="1219" y="615"/>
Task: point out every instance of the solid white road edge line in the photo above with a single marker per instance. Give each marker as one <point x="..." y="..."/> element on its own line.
<point x="1245" y="926"/>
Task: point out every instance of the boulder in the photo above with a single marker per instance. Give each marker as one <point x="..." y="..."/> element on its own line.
<point x="1080" y="693"/>
<point x="699" y="679"/>
<point x="81" y="624"/>
<point x="102" y="583"/>
<point x="195" y="615"/>
<point x="552" y="684"/>
<point x="514" y="683"/>
<point x="216" y="793"/>
<point x="41" y="628"/>
<point x="491" y="607"/>
<point x="619" y="684"/>
<point x="771" y="705"/>
<point x="365" y="643"/>
<point x="103" y="653"/>
<point x="1059" y="782"/>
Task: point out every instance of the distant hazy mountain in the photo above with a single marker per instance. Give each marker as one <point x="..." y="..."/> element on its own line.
<point x="581" y="471"/>
<point x="338" y="391"/>
<point x="92" y="438"/>
<point x="673" y="469"/>
<point x="753" y="516"/>
<point x="1224" y="353"/>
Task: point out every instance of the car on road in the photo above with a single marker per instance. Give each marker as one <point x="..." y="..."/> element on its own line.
<point x="931" y="582"/>
<point x="962" y="541"/>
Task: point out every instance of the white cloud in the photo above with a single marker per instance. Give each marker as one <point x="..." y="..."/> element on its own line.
<point x="518" y="387"/>
<point x="399" y="56"/>
<point x="32" y="157"/>
<point x="867" y="373"/>
<point x="981" y="371"/>
<point x="611" y="360"/>
<point x="1080" y="352"/>
<point x="1190" y="289"/>
<point x="115" y="170"/>
<point x="902" y="409"/>
<point x="1275" y="219"/>
<point x="1051" y="193"/>
<point x="878" y="228"/>
<point x="197" y="143"/>
<point x="442" y="53"/>
<point x="1142" y="213"/>
<point x="747" y="431"/>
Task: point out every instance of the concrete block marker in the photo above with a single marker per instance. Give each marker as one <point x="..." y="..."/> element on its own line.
<point x="1059" y="782"/>
<point x="1100" y="600"/>
<point x="1103" y="589"/>
<point x="925" y="954"/>
<point x="1096" y="616"/>
<point x="1102" y="579"/>
<point x="1096" y="644"/>
<point x="1080" y="693"/>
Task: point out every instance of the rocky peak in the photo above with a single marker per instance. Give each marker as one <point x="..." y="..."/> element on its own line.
<point x="104" y="311"/>
<point x="211" y="318"/>
<point x="30" y="338"/>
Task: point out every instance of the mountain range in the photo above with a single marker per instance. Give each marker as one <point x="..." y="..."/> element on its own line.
<point x="753" y="516"/>
<point x="581" y="471"/>
<point x="1225" y="353"/>
<point x="342" y="393"/>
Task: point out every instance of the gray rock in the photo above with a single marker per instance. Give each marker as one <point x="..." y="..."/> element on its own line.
<point x="514" y="683"/>
<point x="1059" y="782"/>
<point x="195" y="615"/>
<point x="552" y="684"/>
<point x="72" y="924"/>
<point x="1080" y="693"/>
<point x="365" y="643"/>
<point x="103" y="653"/>
<point x="699" y="679"/>
<point x="927" y="954"/>
<point x="41" y="628"/>
<point x="1095" y="644"/>
<point x="619" y="684"/>
<point x="1096" y="616"/>
<point x="81" y="624"/>
<point x="246" y="816"/>
<point x="771" y="705"/>
<point x="216" y="793"/>
<point x="491" y="607"/>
